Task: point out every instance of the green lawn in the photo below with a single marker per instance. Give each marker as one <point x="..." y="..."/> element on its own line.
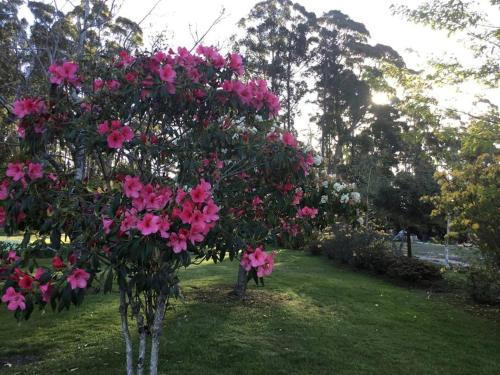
<point x="311" y="318"/>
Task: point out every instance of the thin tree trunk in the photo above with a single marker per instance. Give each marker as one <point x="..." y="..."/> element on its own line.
<point x="241" y="283"/>
<point x="156" y="333"/>
<point x="408" y="242"/>
<point x="126" y="333"/>
<point x="141" y="331"/>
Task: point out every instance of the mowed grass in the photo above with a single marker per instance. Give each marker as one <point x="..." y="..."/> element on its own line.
<point x="311" y="318"/>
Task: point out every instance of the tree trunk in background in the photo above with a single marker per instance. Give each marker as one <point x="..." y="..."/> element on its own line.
<point x="408" y="242"/>
<point x="241" y="283"/>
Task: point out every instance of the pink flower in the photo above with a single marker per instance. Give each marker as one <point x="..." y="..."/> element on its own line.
<point x="132" y="186"/>
<point x="115" y="139"/>
<point x="12" y="256"/>
<point x="15" y="170"/>
<point x="297" y="198"/>
<point x="26" y="282"/>
<point x="3" y="216"/>
<point x="267" y="268"/>
<point x="103" y="128"/>
<point x="129" y="221"/>
<point x="256" y="202"/>
<point x="24" y="107"/>
<point x="245" y="262"/>
<point x="149" y="224"/>
<point x="308" y="212"/>
<point x="39" y="273"/>
<point x="78" y="278"/>
<point x="98" y="84"/>
<point x="180" y="196"/>
<point x="13" y="299"/>
<point x="113" y="85"/>
<point x="289" y="140"/>
<point x="198" y="194"/>
<point x="211" y="211"/>
<point x="57" y="262"/>
<point x="236" y="63"/>
<point x="127" y="133"/>
<point x="35" y="171"/>
<point x="4" y="190"/>
<point x="258" y="257"/>
<point x="106" y="225"/>
<point x="164" y="226"/>
<point x="64" y="73"/>
<point x="46" y="290"/>
<point x="177" y="242"/>
<point x="167" y="73"/>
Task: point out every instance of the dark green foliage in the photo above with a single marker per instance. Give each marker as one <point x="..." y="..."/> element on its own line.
<point x="412" y="270"/>
<point x="369" y="250"/>
<point x="484" y="285"/>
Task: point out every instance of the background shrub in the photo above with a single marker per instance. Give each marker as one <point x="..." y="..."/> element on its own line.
<point x="484" y="285"/>
<point x="370" y="250"/>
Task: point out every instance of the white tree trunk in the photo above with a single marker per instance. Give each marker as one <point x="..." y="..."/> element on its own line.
<point x="142" y="344"/>
<point x="156" y="334"/>
<point x="126" y="333"/>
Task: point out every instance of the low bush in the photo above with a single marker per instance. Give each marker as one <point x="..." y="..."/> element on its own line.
<point x="315" y="247"/>
<point x="484" y="285"/>
<point x="370" y="250"/>
<point x="414" y="270"/>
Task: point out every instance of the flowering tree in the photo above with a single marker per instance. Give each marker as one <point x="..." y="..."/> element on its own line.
<point x="144" y="162"/>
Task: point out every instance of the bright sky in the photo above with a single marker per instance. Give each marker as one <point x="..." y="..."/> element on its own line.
<point x="414" y="42"/>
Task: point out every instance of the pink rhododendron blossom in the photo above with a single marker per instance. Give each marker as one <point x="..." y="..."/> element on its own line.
<point x="211" y="211"/>
<point x="13" y="299"/>
<point x="267" y="268"/>
<point x="177" y="242"/>
<point x="258" y="257"/>
<point x="26" y="282"/>
<point x="12" y="256"/>
<point x="245" y="262"/>
<point x="125" y="59"/>
<point x="167" y="73"/>
<point x="103" y="128"/>
<point x="164" y="226"/>
<point x="297" y="197"/>
<point x="78" y="278"/>
<point x="256" y="202"/>
<point x="35" y="171"/>
<point x="113" y="85"/>
<point x="64" y="73"/>
<point x="39" y="273"/>
<point x="149" y="224"/>
<point x="106" y="225"/>
<point x="115" y="139"/>
<point x="132" y="186"/>
<point x="24" y="107"/>
<point x="97" y="84"/>
<point x="129" y="221"/>
<point x="4" y="190"/>
<point x="236" y="63"/>
<point x="15" y="171"/>
<point x="289" y="140"/>
<point x="57" y="262"/>
<point x="46" y="290"/>
<point x="198" y="194"/>
<point x="127" y="133"/>
<point x="308" y="212"/>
